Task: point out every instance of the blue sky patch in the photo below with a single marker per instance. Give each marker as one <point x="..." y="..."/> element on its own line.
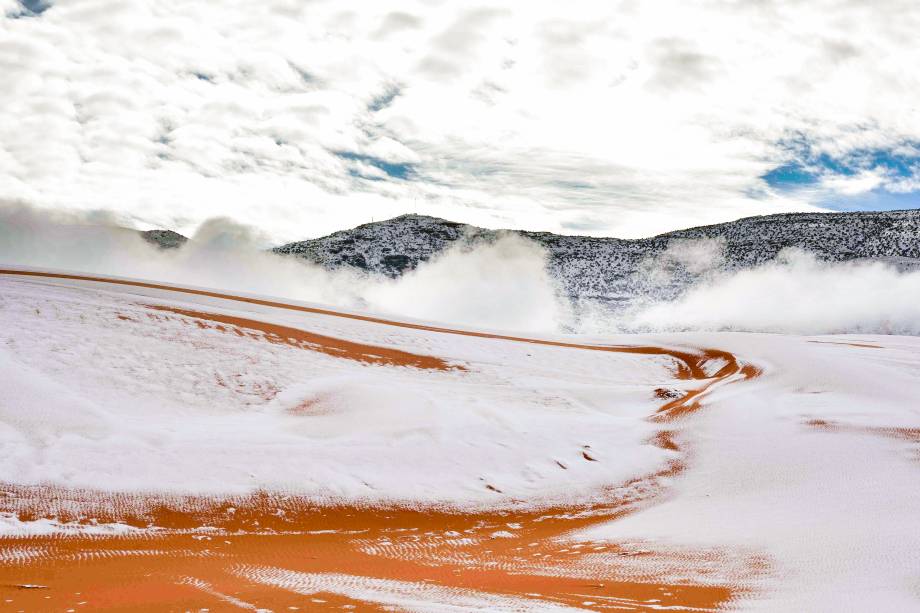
<point x="30" y="8"/>
<point x="875" y="200"/>
<point x="395" y="170"/>
<point x="790" y="175"/>
<point x="807" y="168"/>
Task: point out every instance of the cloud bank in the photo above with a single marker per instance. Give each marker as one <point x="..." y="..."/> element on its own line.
<point x="617" y="119"/>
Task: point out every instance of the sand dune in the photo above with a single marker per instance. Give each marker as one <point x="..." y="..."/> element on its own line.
<point x="180" y="448"/>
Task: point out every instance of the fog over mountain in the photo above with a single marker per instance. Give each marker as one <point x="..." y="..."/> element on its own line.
<point x="619" y="271"/>
<point x="808" y="274"/>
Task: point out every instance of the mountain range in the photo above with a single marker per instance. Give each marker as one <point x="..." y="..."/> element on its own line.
<point x="619" y="271"/>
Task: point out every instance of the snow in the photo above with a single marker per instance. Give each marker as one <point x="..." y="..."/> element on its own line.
<point x="10" y="525"/>
<point x="410" y="596"/>
<point x="207" y="588"/>
<point x="837" y="510"/>
<point x="103" y="393"/>
<point x="813" y="465"/>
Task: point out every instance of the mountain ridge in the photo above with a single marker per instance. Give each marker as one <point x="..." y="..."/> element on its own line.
<point x="615" y="270"/>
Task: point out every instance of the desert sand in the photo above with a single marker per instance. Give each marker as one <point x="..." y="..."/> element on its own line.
<point x="337" y="460"/>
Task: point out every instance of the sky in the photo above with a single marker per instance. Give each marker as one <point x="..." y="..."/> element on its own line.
<point x="604" y="118"/>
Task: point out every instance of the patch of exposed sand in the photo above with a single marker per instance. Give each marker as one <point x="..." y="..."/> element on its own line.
<point x="360" y="556"/>
<point x="862" y="345"/>
<point x="907" y="434"/>
<point x="274" y="333"/>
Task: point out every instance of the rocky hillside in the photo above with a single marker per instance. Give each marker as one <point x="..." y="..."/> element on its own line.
<point x="164" y="239"/>
<point x="617" y="271"/>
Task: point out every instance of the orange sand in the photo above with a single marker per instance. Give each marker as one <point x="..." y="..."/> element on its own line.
<point x="907" y="434"/>
<point x="152" y="573"/>
<point x="863" y="345"/>
<point x="335" y="347"/>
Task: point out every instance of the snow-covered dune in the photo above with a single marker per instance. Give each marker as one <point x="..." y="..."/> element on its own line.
<point x="229" y="436"/>
<point x="196" y="394"/>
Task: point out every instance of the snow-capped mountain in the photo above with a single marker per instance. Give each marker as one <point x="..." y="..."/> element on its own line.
<point x="615" y="270"/>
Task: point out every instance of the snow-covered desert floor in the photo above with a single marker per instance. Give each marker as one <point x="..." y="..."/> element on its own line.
<point x="168" y="448"/>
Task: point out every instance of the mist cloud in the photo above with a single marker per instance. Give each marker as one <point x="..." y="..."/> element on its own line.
<point x="690" y="256"/>
<point x="797" y="293"/>
<point x="503" y="284"/>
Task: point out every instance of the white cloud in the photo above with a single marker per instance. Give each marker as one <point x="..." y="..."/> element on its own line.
<point x="851" y="185"/>
<point x="624" y="119"/>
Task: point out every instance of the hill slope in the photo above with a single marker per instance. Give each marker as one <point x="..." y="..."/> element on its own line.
<point x="164" y="239"/>
<point x="615" y="270"/>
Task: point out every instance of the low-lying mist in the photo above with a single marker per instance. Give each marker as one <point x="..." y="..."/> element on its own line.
<point x="501" y="284"/>
<point x="796" y="293"/>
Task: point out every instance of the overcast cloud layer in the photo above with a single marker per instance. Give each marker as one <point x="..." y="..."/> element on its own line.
<point x="301" y="118"/>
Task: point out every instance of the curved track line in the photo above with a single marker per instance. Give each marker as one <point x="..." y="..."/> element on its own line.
<point x="335" y="347"/>
<point x="692" y="365"/>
